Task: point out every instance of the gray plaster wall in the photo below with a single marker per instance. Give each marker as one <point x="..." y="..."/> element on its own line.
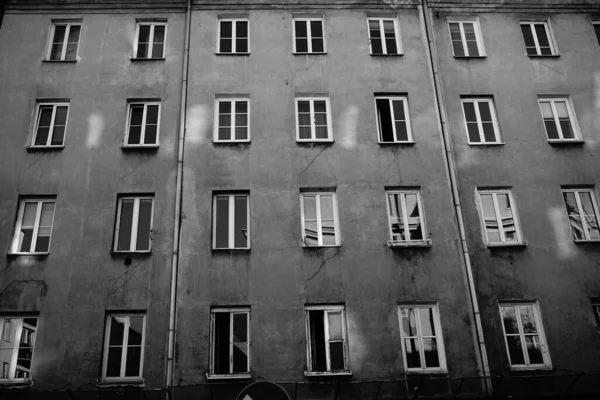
<point x="277" y="277"/>
<point x="80" y="281"/>
<point x="561" y="275"/>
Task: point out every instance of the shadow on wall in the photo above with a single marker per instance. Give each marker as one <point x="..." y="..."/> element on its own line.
<point x="95" y="126"/>
<point x="196" y="124"/>
<point x="565" y="247"/>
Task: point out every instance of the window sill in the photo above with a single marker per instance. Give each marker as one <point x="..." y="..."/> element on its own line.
<point x="314" y="53"/>
<point x="130" y="254"/>
<point x="44" y="60"/>
<point x="16" y="383"/>
<point x="468" y="57"/>
<point x="231" y="142"/>
<point x="561" y="142"/>
<point x="228" y="377"/>
<point x="120" y="382"/>
<point x="313" y="142"/>
<point x="486" y="144"/>
<point x="234" y="250"/>
<point x="584" y="241"/>
<point x="387" y="55"/>
<point x="132" y="148"/>
<point x="136" y="59"/>
<point x="44" y="148"/>
<point x="531" y="368"/>
<point x="318" y="246"/>
<point x="36" y="255"/>
<point x="507" y="245"/>
<point x="326" y="374"/>
<point x="405" y="143"/>
<point x="231" y="54"/>
<point x="543" y="55"/>
<point x="415" y="243"/>
<point x="426" y="371"/>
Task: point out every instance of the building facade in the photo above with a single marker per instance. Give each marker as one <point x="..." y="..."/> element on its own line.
<point x="333" y="200"/>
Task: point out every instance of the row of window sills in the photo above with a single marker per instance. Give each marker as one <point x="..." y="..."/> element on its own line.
<point x="559" y="142"/>
<point x="528" y="55"/>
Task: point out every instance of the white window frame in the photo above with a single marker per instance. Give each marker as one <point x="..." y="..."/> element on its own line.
<point x="540" y="332"/>
<point x="231" y="311"/>
<point x="63" y="53"/>
<point x="148" y="55"/>
<point x="476" y="101"/>
<point x="15" y="241"/>
<point x="549" y="34"/>
<point x="124" y="347"/>
<point x="54" y="105"/>
<point x="572" y="118"/>
<point x="597" y="35"/>
<point x="231" y="228"/>
<point x="402" y="193"/>
<point x="596" y="311"/>
<point x="380" y="20"/>
<point x="15" y="351"/>
<point x="309" y="34"/>
<point x="584" y="224"/>
<point x="313" y="131"/>
<point x="438" y="337"/>
<point x="130" y="106"/>
<point x="233" y="101"/>
<point x="391" y="99"/>
<point x="463" y="39"/>
<point x="327" y="309"/>
<point x="234" y="22"/>
<point x="134" y="224"/>
<point x="336" y="222"/>
<point x="518" y="231"/>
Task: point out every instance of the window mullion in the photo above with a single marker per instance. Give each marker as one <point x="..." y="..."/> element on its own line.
<point x="124" y="351"/>
<point x="584" y="224"/>
<point x="134" y="224"/>
<point x="231" y="221"/>
<point x="319" y="222"/>
<point x="15" y="354"/>
<point x="308" y="35"/>
<point x="522" y="335"/>
<point x="421" y="215"/>
<point x="143" y="130"/>
<point x="233" y="36"/>
<point x="313" y="129"/>
<point x="232" y="120"/>
<point x="231" y="342"/>
<point x="420" y="337"/>
<point x="463" y="38"/>
<point x="556" y="119"/>
<point x="36" y="226"/>
<point x="326" y="325"/>
<point x="150" y="41"/>
<point x="51" y="127"/>
<point x="535" y="39"/>
<point x="393" y="117"/>
<point x="498" y="217"/>
<point x="382" y="35"/>
<point x="404" y="216"/>
<point x="63" y="53"/>
<point x="479" y="124"/>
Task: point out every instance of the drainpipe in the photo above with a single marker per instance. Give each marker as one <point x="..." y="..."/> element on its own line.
<point x="427" y="31"/>
<point x="170" y="367"/>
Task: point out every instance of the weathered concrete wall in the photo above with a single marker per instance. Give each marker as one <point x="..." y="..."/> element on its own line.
<point x="552" y="269"/>
<point x="80" y="281"/>
<point x="277" y="277"/>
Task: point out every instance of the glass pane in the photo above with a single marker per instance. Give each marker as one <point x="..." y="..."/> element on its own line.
<point x="455" y="31"/>
<point x="158" y="45"/>
<point x="386" y="130"/>
<point x="5" y="358"/>
<point x="310" y="233"/>
<point x="374" y="29"/>
<point x="469" y="109"/>
<point x="413" y="358"/>
<point x="527" y="319"/>
<point x="241" y="29"/>
<point x="304" y="119"/>
<point x="321" y="132"/>
<point x="150" y="134"/>
<point x="534" y="349"/>
<point x="47" y="213"/>
<point x="240" y="327"/>
<point x="42" y="243"/>
<point x="304" y="132"/>
<point x="241" y="107"/>
<point x="431" y="353"/>
<point x="241" y="222"/>
<point x="226" y="29"/>
<point x="413" y="216"/>
<point x="506" y="217"/>
<point x="30" y="321"/>
<point x="113" y="362"/>
<point x="29" y="214"/>
<point x="225" y="45"/>
<point x="489" y="218"/>
<point x="144" y="219"/>
<point x="376" y="46"/>
<point x="597" y="30"/>
<point x="143" y="41"/>
<point x="567" y="129"/>
<point x="61" y="116"/>
<point x="316" y="29"/>
<point x="328" y="227"/>
<point x="515" y="350"/>
<point x="484" y="111"/>
<point x="73" y="40"/>
<point x="542" y="38"/>
<point x="221" y="343"/>
<point x="45" y="116"/>
<point x="132" y="364"/>
<point x="551" y="129"/>
<point x="301" y="45"/>
<point x="509" y="319"/>
<point x="326" y="207"/>
<point x="320" y="106"/>
<point x="398" y="106"/>
<point x="489" y="133"/>
<point x="310" y="207"/>
<point x="574" y="216"/>
<point x="546" y="110"/>
<point x="125" y="224"/>
<point x="152" y="114"/>
<point x="25" y="239"/>
<point x="9" y="329"/>
<point x="457" y="45"/>
<point x="528" y="37"/>
<point x="240" y="342"/>
<point x="301" y="31"/>
<point x="241" y="45"/>
<point x="222" y="222"/>
<point x="469" y="29"/>
<point x="334" y="319"/>
<point x="409" y="322"/>
<point x="472" y="46"/>
<point x="117" y="331"/>
<point x="561" y="109"/>
<point x="137" y="113"/>
<point x="318" y="46"/>
<point x="240" y="357"/>
<point x="224" y="107"/>
<point x="57" y="42"/>
<point x="58" y="133"/>
<point x="336" y="356"/>
<point x="241" y="120"/>
<point x="427" y="324"/>
<point x="317" y="340"/>
<point x="135" y="135"/>
<point x="142" y="50"/>
<point x="136" y="329"/>
<point x="241" y="133"/>
<point x="304" y="106"/>
<point x="41" y="137"/>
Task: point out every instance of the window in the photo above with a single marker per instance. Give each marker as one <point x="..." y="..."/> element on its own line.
<point x="480" y="118"/>
<point x="559" y="119"/>
<point x="596" y="310"/>
<point x="405" y="217"/>
<point x="384" y="36"/>
<point x="233" y="36"/>
<point x="537" y="39"/>
<point x="499" y="217"/>
<point x="230" y="341"/>
<point x="582" y="211"/>
<point x="421" y="335"/>
<point x="319" y="220"/>
<point x="524" y="336"/>
<point x="313" y="119"/>
<point x="142" y="124"/>
<point x="16" y="346"/>
<point x="327" y="343"/>
<point x="124" y="347"/>
<point x="597" y="30"/>
<point x="466" y="38"/>
<point x="393" y="119"/>
<point x="34" y="226"/>
<point x="134" y="224"/>
<point x="232" y="120"/>
<point x="50" y="126"/>
<point x="150" y="40"/>
<point x="231" y="221"/>
<point x="308" y="35"/>
<point x="65" y="41"/>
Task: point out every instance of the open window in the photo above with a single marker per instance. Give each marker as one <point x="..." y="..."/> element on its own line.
<point x="230" y="342"/>
<point x="231" y="221"/>
<point x="406" y="222"/>
<point x="17" y="342"/>
<point x="327" y="340"/>
<point x="124" y="340"/>
<point x="134" y="224"/>
<point x="393" y="121"/>
<point x="33" y="230"/>
<point x="150" y="40"/>
<point x="64" y="41"/>
<point x="499" y="217"/>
